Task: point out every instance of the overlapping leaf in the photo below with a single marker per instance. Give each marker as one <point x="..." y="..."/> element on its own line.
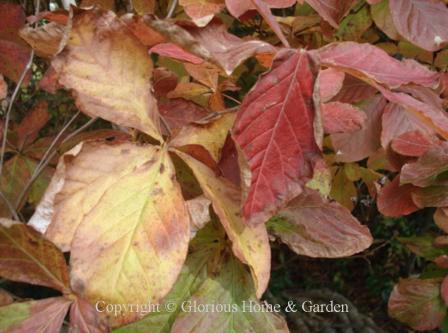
<point x="275" y="129"/>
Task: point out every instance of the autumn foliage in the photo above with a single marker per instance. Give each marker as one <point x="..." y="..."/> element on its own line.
<point x="215" y="140"/>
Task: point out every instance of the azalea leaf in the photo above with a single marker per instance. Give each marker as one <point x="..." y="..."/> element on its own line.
<point x="109" y="70"/>
<point x="421" y="22"/>
<point x="26" y="256"/>
<point x="413" y="143"/>
<point x="396" y="200"/>
<point x="46" y="316"/>
<point x="330" y="83"/>
<point x="342" y="118"/>
<point x="417" y="303"/>
<point x="275" y="130"/>
<point x="315" y="227"/>
<point x="249" y="243"/>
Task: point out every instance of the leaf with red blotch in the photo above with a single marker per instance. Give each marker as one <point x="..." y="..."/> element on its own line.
<point x="275" y="130"/>
<point x="26" y="256"/>
<point x="352" y="147"/>
<point x="371" y="63"/>
<point x="332" y="11"/>
<point x="413" y="143"/>
<point x="417" y="303"/>
<point x="397" y="121"/>
<point x="3" y="88"/>
<point x="396" y="200"/>
<point x="354" y="90"/>
<point x="46" y="316"/>
<point x="427" y="168"/>
<point x="422" y="22"/>
<point x="330" y="83"/>
<point x="237" y="8"/>
<point x="436" y="118"/>
<point x="85" y="319"/>
<point x="13" y="60"/>
<point x="28" y="129"/>
<point x="202" y="11"/>
<point x="315" y="227"/>
<point x="342" y="118"/>
<point x="179" y="112"/>
<point x="228" y="50"/>
<point x="176" y="52"/>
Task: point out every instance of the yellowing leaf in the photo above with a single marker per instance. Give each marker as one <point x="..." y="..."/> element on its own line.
<point x="25" y="256"/>
<point x="211" y="136"/>
<point x="110" y="72"/>
<point x="250" y="243"/>
<point x="122" y="211"/>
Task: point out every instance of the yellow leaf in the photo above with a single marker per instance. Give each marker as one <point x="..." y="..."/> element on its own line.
<point x="249" y="243"/>
<point x="110" y="71"/>
<point x="121" y="209"/>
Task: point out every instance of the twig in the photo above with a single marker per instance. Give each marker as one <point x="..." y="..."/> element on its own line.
<point x="216" y="114"/>
<point x="44" y="164"/>
<point x="172" y="9"/>
<point x="232" y="99"/>
<point x="10" y="206"/>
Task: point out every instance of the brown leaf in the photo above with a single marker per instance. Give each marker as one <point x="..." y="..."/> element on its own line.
<point x="315" y="227"/>
<point x="28" y="129"/>
<point x="84" y="318"/>
<point x="26" y="256"/>
<point x="13" y="60"/>
<point x="110" y="71"/>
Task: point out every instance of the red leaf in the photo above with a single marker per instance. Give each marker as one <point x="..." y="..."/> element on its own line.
<point x="330" y="83"/>
<point x="176" y="52"/>
<point x="397" y="121"/>
<point x="395" y="200"/>
<point x="202" y="11"/>
<point x="356" y="146"/>
<point x="372" y="63"/>
<point x="417" y="303"/>
<point x="13" y="60"/>
<point x="423" y="22"/>
<point x="164" y="81"/>
<point x="332" y="11"/>
<point x="179" y="112"/>
<point x="238" y="7"/>
<point x="228" y="50"/>
<point x="342" y="118"/>
<point x="354" y="90"/>
<point x="34" y="121"/>
<point x="12" y="18"/>
<point x="425" y="170"/>
<point x="432" y="196"/>
<point x="413" y="143"/>
<point x="275" y="130"/>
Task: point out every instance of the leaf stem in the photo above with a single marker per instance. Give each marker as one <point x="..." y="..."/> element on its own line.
<point x="172" y="9"/>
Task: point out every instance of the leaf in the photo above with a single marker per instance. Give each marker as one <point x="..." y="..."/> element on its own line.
<point x="13" y="60"/>
<point x="383" y="19"/>
<point x="417" y="303"/>
<point x="5" y="298"/>
<point x="315" y="227"/>
<point x="211" y="136"/>
<point x="352" y="147"/>
<point x="226" y="49"/>
<point x="233" y="288"/>
<point x="249" y="243"/>
<point x="423" y="246"/>
<point x="46" y="316"/>
<point x="275" y="130"/>
<point x="441" y="218"/>
<point x="3" y="88"/>
<point x="105" y="4"/>
<point x="444" y="290"/>
<point x="143" y="7"/>
<point x="47" y="40"/>
<point x="12" y="18"/>
<point x="202" y="11"/>
<point x="425" y="170"/>
<point x="343" y="190"/>
<point x="180" y="112"/>
<point x="354" y="25"/>
<point x="330" y="83"/>
<point x="26" y="256"/>
<point x="331" y="11"/>
<point x="413" y="143"/>
<point x="238" y="8"/>
<point x="84" y="318"/>
<point x="109" y="70"/>
<point x="342" y="118"/>
<point x="142" y="247"/>
<point x="32" y="123"/>
<point x="432" y="196"/>
<point x="370" y="62"/>
<point x="176" y="52"/>
<point x="397" y="121"/>
<point x="421" y="22"/>
<point x="435" y="118"/>
<point x="396" y="200"/>
<point x="354" y="90"/>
